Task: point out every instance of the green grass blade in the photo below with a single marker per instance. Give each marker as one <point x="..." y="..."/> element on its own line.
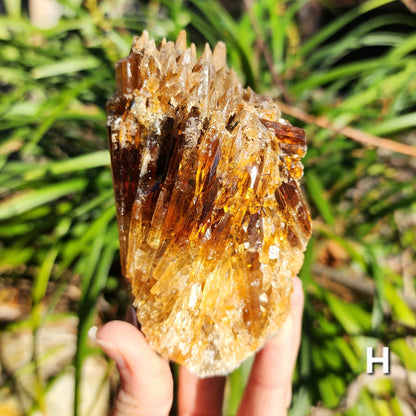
<point x="393" y="125"/>
<point x="32" y="198"/>
<point x="80" y="163"/>
<point x="318" y="195"/>
<point x="322" y="35"/>
<point x="65" y="67"/>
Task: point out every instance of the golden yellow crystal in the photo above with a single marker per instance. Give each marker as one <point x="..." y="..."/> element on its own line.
<point x="212" y="223"/>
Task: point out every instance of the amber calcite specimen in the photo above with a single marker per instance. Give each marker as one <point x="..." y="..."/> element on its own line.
<point x="212" y="222"/>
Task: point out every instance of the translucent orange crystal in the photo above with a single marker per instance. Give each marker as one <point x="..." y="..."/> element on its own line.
<point x="212" y="222"/>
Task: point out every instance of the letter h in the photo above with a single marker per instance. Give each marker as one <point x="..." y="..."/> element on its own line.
<point x="371" y="360"/>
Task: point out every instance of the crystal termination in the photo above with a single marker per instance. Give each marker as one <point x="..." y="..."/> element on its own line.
<point x="212" y="222"/>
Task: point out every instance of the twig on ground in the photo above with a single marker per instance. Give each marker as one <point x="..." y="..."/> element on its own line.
<point x="359" y="285"/>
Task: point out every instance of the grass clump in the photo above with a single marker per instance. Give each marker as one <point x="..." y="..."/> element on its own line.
<point x="348" y="82"/>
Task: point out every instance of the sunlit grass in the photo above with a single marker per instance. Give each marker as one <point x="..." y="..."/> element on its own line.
<point x="57" y="216"/>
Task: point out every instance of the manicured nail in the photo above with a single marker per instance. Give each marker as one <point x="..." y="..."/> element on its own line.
<point x="105" y="345"/>
<point x="92" y="333"/>
<point x="109" y="348"/>
<point x="131" y="316"/>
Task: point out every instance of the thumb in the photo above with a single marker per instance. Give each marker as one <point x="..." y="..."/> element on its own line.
<point x="146" y="385"/>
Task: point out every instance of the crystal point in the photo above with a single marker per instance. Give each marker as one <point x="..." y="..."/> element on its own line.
<point x="211" y="219"/>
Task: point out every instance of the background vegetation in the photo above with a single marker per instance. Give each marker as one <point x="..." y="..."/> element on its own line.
<point x="348" y="79"/>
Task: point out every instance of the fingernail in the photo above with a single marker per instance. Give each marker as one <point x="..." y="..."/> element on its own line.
<point x="108" y="347"/>
<point x="92" y="334"/>
<point x="132" y="317"/>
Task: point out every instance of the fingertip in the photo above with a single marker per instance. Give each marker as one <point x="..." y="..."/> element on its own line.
<point x="297" y="288"/>
<point x="145" y="378"/>
<point x="297" y="284"/>
<point x="117" y="331"/>
<point x="121" y="339"/>
<point x="111" y="338"/>
<point x="298" y="298"/>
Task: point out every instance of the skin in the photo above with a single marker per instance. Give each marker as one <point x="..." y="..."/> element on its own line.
<point x="146" y="384"/>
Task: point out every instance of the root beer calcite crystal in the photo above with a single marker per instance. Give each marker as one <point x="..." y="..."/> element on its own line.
<point x="212" y="222"/>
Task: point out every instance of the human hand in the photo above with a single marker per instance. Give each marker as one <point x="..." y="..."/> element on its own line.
<point x="146" y="384"/>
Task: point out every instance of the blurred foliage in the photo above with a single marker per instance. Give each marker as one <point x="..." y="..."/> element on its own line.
<point x="357" y="67"/>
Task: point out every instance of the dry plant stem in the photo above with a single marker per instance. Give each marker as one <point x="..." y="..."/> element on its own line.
<point x="359" y="285"/>
<point x="323" y="122"/>
<point x="266" y="53"/>
<point x="350" y="132"/>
